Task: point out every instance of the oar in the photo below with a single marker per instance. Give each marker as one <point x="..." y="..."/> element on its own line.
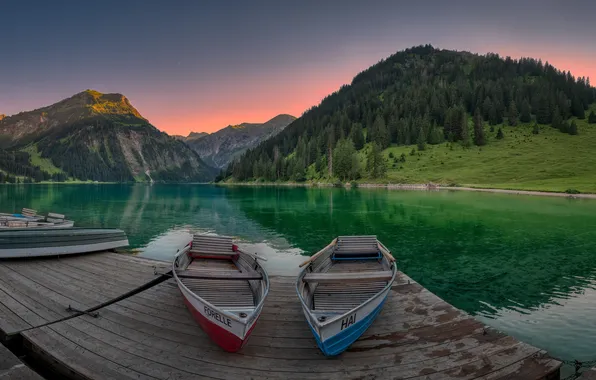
<point x="254" y="256"/>
<point x="386" y="252"/>
<point x="313" y="257"/>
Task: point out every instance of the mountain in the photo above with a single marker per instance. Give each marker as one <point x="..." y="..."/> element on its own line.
<point x="426" y="114"/>
<point x="195" y="135"/>
<point x="218" y="149"/>
<point x="191" y="136"/>
<point x="95" y="136"/>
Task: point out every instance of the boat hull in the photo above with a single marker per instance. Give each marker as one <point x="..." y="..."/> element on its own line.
<point x="336" y="336"/>
<point x="39" y="242"/>
<point x="229" y="334"/>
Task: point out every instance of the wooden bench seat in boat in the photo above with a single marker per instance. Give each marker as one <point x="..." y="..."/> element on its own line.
<point x="223" y="293"/>
<point x="340" y="297"/>
<point x="203" y="245"/>
<point x="350" y="247"/>
<point x="217" y="270"/>
<point x="328" y="277"/>
<point x="219" y="275"/>
<point x="210" y="279"/>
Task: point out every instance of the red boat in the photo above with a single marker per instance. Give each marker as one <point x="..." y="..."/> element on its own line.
<point x="223" y="287"/>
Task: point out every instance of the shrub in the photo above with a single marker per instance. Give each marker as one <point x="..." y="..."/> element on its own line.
<point x="535" y="129"/>
<point x="572" y="191"/>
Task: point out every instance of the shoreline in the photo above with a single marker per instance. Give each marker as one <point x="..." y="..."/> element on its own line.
<point x="388" y="186"/>
<point x="417" y="186"/>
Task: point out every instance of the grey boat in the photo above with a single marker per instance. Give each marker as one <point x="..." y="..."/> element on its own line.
<point x="36" y="242"/>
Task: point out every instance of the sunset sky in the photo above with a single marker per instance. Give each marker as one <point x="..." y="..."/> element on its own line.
<point x="201" y="65"/>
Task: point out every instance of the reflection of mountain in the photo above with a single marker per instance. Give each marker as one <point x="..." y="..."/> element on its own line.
<point x="144" y="212"/>
<point x="504" y="251"/>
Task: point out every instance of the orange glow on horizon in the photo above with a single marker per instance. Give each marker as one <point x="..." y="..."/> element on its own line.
<point x="256" y="100"/>
<point x="288" y="97"/>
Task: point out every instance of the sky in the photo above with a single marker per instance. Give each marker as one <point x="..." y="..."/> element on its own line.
<point x="200" y="65"/>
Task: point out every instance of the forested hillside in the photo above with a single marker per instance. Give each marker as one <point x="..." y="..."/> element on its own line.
<point x="421" y="98"/>
<point x="96" y="137"/>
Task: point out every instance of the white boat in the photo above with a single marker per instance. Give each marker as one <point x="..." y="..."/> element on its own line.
<point x="342" y="289"/>
<point x="36" y="242"/>
<point x="223" y="287"/>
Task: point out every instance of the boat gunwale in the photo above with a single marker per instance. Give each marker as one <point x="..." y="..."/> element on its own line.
<point x="251" y="317"/>
<point x="305" y="307"/>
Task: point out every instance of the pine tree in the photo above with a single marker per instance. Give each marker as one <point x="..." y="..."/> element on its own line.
<point x="464" y="131"/>
<point x="493" y="118"/>
<point x="357" y="136"/>
<point x="577" y="108"/>
<point x="535" y="129"/>
<point x="345" y="160"/>
<point x="526" y="115"/>
<point x="375" y="162"/>
<point x="330" y="142"/>
<point x="544" y="113"/>
<point x="486" y="108"/>
<point x="557" y="120"/>
<point x="512" y="116"/>
<point x="573" y="128"/>
<point x="479" y="129"/>
<point x="381" y="133"/>
<point x="421" y="139"/>
<point x="592" y="118"/>
<point x="500" y="135"/>
<point x="435" y="136"/>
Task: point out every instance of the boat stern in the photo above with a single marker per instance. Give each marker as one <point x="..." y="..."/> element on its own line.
<point x="335" y="337"/>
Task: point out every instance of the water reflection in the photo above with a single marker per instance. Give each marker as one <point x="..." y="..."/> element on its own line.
<point x="526" y="265"/>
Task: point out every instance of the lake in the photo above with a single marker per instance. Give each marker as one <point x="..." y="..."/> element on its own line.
<point x="523" y="264"/>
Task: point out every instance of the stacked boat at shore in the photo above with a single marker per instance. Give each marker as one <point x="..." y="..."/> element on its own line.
<point x="30" y="235"/>
<point x="29" y="218"/>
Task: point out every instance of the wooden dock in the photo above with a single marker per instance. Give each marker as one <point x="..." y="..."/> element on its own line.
<point x="589" y="374"/>
<point x="151" y="335"/>
<point x="11" y="368"/>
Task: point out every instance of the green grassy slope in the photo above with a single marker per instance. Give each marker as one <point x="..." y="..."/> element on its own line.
<point x="44" y="164"/>
<point x="549" y="161"/>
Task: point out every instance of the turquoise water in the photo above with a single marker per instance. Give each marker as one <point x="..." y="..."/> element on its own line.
<point x="525" y="265"/>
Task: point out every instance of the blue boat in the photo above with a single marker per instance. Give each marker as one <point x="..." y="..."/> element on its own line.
<point x="343" y="288"/>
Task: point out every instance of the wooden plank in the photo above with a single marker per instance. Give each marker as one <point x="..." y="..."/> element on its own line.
<point x="219" y="275"/>
<point x="589" y="374"/>
<point x="11" y="368"/>
<point x="348" y="277"/>
<point x="207" y="252"/>
<point x="68" y="359"/>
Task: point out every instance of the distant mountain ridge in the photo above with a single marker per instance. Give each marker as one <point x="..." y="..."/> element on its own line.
<point x="102" y="137"/>
<point x="195" y="135"/>
<point x="220" y="148"/>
